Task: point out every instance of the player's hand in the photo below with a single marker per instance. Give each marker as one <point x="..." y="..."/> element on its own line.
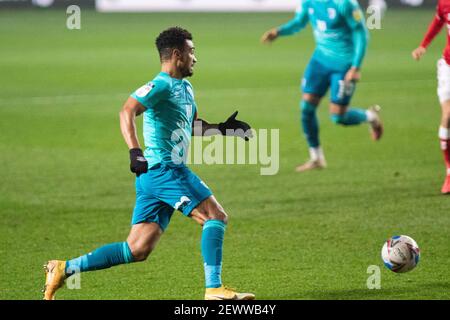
<point x="138" y="163"/>
<point x="353" y="75"/>
<point x="269" y="36"/>
<point x="233" y="127"/>
<point x="419" y="53"/>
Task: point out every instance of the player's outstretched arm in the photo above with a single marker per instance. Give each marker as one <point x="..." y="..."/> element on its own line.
<point x="130" y="110"/>
<point x="433" y="30"/>
<point x="291" y="27"/>
<point x="231" y="127"/>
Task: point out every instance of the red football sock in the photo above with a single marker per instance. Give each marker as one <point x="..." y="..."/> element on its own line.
<point x="445" y="146"/>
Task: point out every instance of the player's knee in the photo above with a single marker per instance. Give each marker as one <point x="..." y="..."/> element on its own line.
<point x="140" y="252"/>
<point x="218" y="214"/>
<point x="446" y="114"/>
<point x="307" y="108"/>
<point x="311" y="98"/>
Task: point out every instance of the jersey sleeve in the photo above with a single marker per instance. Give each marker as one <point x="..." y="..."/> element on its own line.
<point x="298" y="23"/>
<point x="354" y="18"/>
<point x="434" y="28"/>
<point x="151" y="93"/>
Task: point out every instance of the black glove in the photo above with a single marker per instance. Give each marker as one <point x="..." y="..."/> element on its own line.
<point x="240" y="128"/>
<point x="138" y="164"/>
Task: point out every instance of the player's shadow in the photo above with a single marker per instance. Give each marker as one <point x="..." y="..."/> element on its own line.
<point x="431" y="290"/>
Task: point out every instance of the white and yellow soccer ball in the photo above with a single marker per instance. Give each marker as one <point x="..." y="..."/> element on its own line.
<point x="400" y="254"/>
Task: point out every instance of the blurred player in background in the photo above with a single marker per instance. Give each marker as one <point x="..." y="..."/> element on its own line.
<point x="441" y="19"/>
<point x="163" y="182"/>
<point x="341" y="40"/>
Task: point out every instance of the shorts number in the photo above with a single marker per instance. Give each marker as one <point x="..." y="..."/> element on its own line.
<point x="321" y="25"/>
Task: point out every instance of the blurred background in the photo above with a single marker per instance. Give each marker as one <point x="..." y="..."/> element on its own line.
<point x="256" y="5"/>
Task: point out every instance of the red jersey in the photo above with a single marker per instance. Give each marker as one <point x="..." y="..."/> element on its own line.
<point x="442" y="18"/>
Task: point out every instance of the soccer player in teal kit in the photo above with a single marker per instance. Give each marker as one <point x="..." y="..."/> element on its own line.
<point x="163" y="182"/>
<point x="341" y="40"/>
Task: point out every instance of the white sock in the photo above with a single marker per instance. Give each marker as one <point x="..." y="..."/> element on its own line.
<point x="371" y="116"/>
<point x="316" y="153"/>
<point x="444" y="133"/>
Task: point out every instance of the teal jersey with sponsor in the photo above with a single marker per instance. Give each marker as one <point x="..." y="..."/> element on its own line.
<point x="168" y="119"/>
<point x="339" y="30"/>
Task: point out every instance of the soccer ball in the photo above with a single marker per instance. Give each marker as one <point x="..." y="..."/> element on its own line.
<point x="400" y="254"/>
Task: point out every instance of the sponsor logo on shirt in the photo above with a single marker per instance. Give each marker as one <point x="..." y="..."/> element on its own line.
<point x="331" y="13"/>
<point x="144" y="90"/>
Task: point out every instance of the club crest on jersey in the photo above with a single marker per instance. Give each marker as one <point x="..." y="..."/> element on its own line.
<point x="144" y="90"/>
<point x="331" y="13"/>
<point x="357" y="15"/>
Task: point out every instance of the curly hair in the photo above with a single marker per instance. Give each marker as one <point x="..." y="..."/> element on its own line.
<point x="170" y="39"/>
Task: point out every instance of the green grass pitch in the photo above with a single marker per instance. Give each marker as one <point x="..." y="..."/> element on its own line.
<point x="65" y="187"/>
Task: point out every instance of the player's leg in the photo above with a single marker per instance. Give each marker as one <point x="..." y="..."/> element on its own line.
<point x="314" y="86"/>
<point x="342" y="114"/>
<point x="150" y="218"/>
<point x="190" y="195"/>
<point x="347" y="116"/>
<point x="444" y="130"/>
<point x="210" y="214"/>
<point x="143" y="238"/>
<point x="141" y="241"/>
<point x="444" y="136"/>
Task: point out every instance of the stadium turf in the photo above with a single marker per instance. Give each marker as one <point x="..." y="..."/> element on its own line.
<point x="65" y="186"/>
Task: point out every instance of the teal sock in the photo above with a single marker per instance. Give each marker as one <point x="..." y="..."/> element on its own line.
<point x="310" y="124"/>
<point x="102" y="258"/>
<point x="212" y="244"/>
<point x="353" y="116"/>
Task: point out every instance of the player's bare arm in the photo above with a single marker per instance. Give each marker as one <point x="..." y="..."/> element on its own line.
<point x="130" y="110"/>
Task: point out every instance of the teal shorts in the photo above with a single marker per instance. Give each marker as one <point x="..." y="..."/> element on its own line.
<point x="318" y="78"/>
<point x="164" y="189"/>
